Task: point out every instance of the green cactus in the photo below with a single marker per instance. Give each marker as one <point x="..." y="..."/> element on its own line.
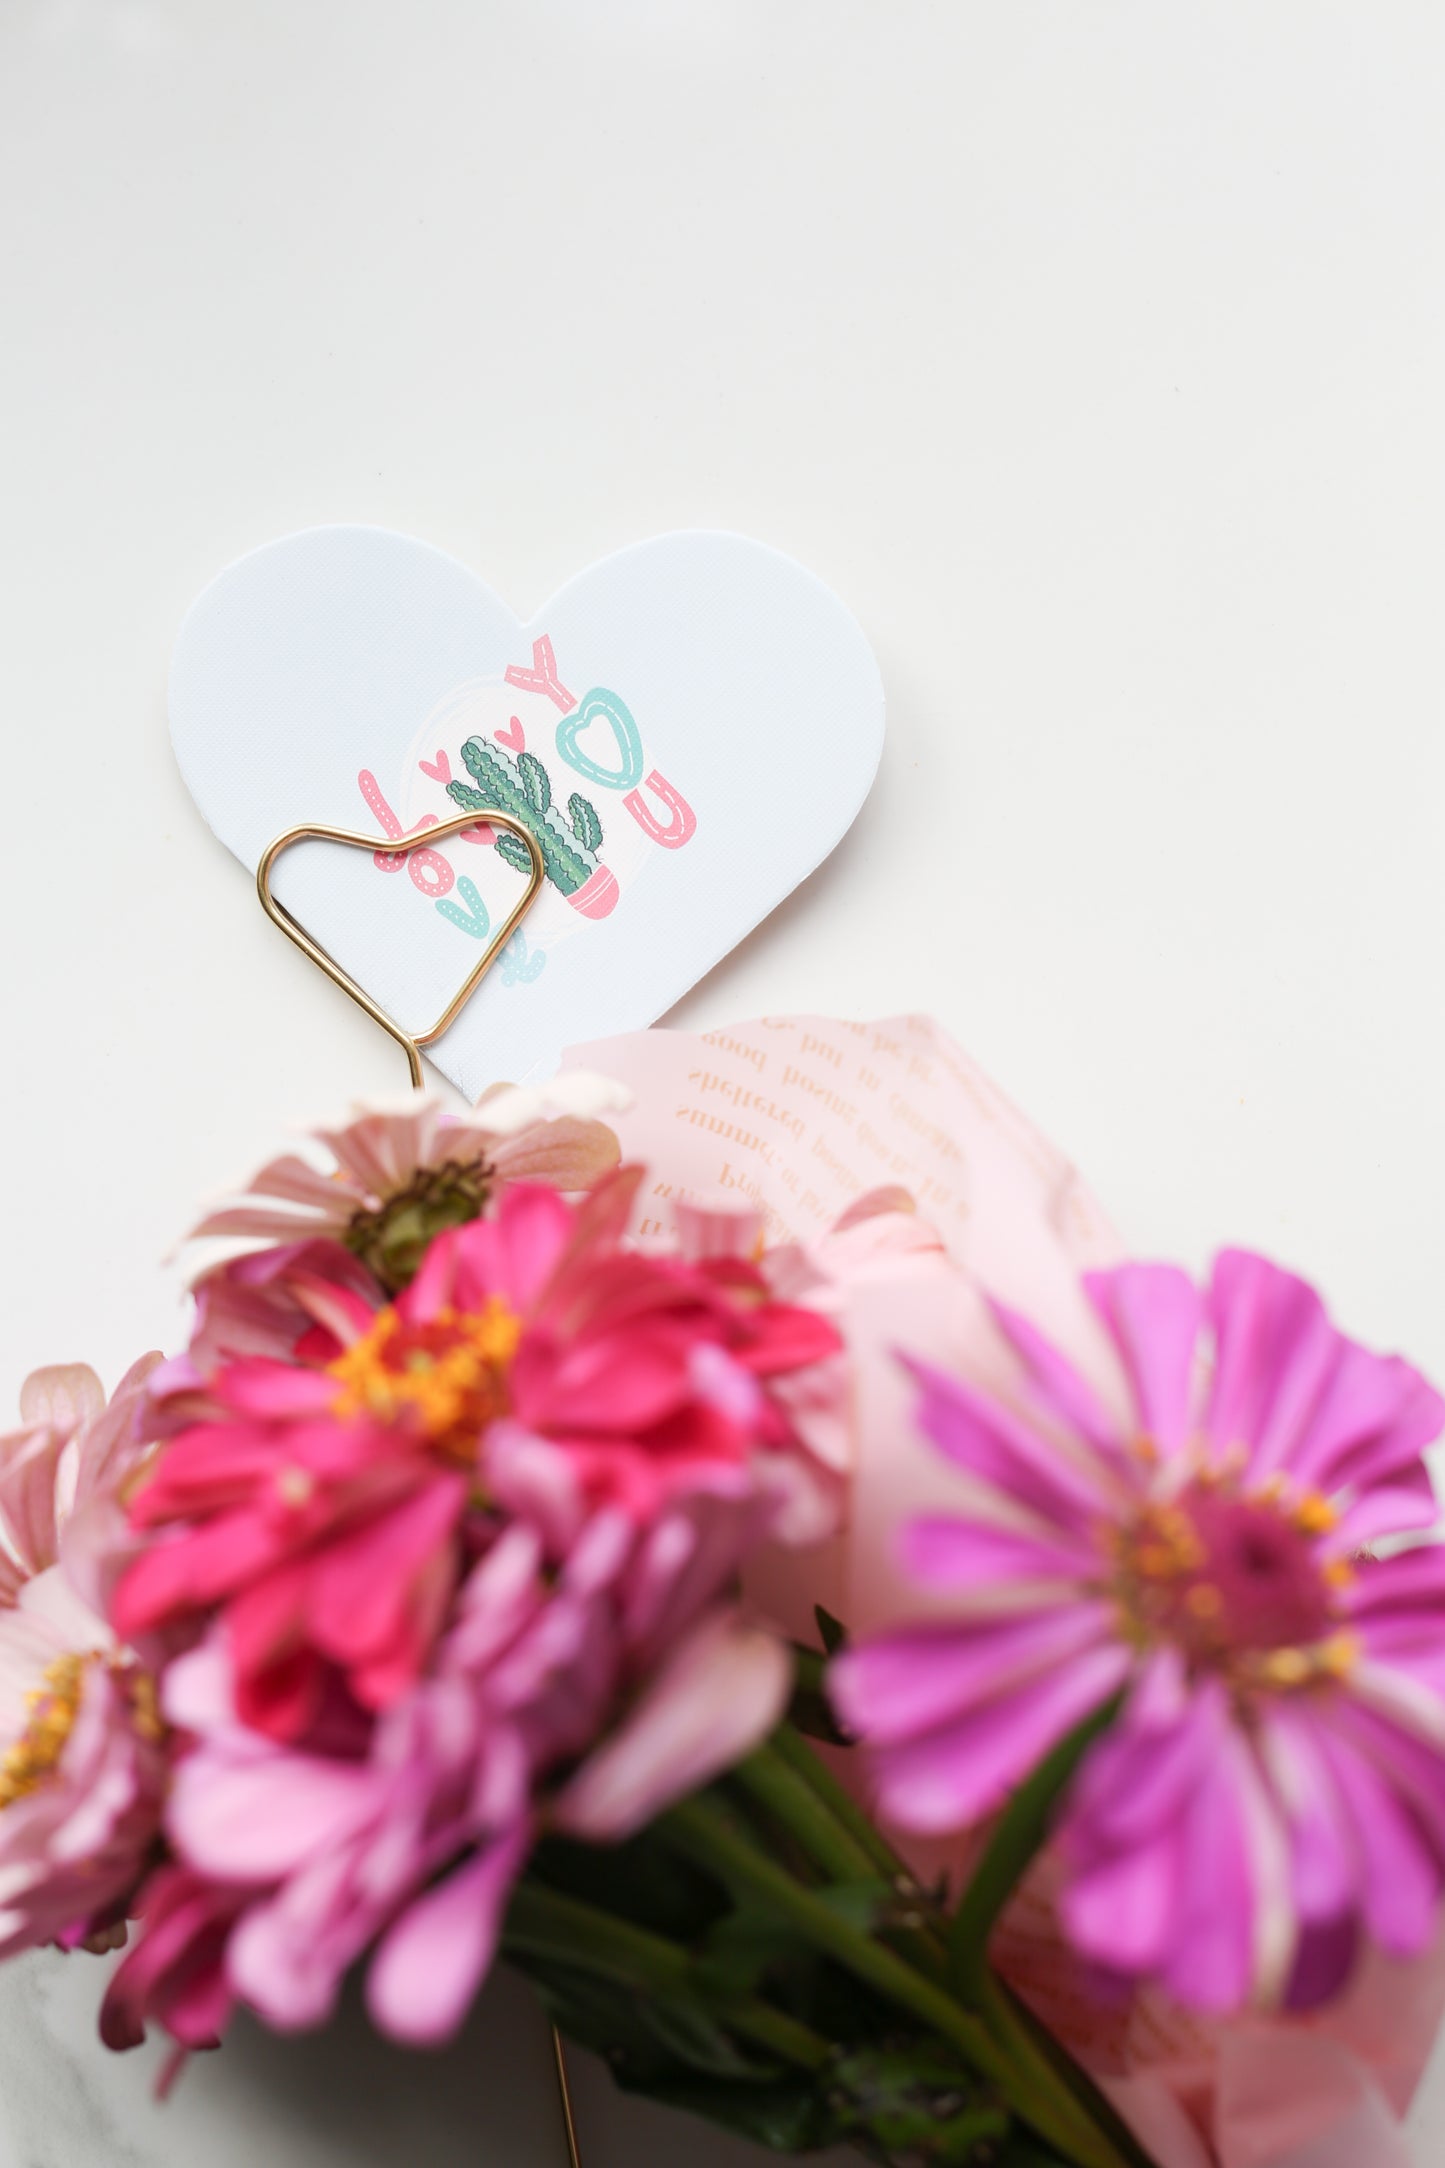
<point x="521" y="788"/>
<point x="515" y="851"/>
<point x="535" y="781"/>
<point x="586" y="827"/>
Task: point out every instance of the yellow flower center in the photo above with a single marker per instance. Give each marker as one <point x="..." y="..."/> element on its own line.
<point x="1235" y="1580"/>
<point x="446" y="1379"/>
<point x="30" y="1758"/>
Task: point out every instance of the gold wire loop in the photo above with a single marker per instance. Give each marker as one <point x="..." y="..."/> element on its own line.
<point x="412" y="1043"/>
<point x="569" y="2123"/>
<point x="398" y="846"/>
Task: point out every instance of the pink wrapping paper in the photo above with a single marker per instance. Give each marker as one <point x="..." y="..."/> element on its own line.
<point x="797" y="1118"/>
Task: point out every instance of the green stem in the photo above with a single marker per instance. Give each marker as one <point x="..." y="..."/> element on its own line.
<point x="544" y="1923"/>
<point x="788" y="1796"/>
<point x="808" y="1800"/>
<point x="820" y="1780"/>
<point x="1018" y="1837"/>
<point x="707" y="1834"/>
<point x="1037" y="2051"/>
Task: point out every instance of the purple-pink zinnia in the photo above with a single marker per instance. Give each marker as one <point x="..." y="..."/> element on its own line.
<point x="1274" y="1784"/>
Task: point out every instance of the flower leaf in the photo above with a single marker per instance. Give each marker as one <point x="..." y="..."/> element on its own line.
<point x="864" y="1905"/>
<point x="1018" y="1836"/>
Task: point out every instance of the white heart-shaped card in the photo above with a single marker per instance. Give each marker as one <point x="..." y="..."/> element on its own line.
<point x="687" y="728"/>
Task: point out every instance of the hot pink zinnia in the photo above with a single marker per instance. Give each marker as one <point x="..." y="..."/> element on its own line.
<point x="328" y="1505"/>
<point x="1275" y="1782"/>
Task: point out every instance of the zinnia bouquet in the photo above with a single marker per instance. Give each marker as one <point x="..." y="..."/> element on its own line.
<point x="892" y="1670"/>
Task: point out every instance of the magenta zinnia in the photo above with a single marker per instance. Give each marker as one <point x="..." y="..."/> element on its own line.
<point x="1274" y="1784"/>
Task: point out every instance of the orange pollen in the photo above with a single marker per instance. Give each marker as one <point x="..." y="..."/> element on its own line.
<point x="446" y="1378"/>
<point x="1232" y="1577"/>
<point x="1314" y="1515"/>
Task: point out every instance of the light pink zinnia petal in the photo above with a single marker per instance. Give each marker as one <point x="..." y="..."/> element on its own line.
<point x="198" y="1688"/>
<point x="288" y="1955"/>
<point x="1153" y="1313"/>
<point x="379" y="1148"/>
<point x="110" y="1445"/>
<point x="500" y="1593"/>
<point x="63" y="1396"/>
<point x="505" y="1110"/>
<point x="51" y="1598"/>
<point x="266" y="1221"/>
<point x="425" y="1975"/>
<point x="951" y="1778"/>
<point x="720" y="1693"/>
<point x="256" y="1817"/>
<point x="296" y="1181"/>
<point x="29" y="1469"/>
<point x="889" y="1201"/>
<point x="532" y="1477"/>
<point x="565" y="1154"/>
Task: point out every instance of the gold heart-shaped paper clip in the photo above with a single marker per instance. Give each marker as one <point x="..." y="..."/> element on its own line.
<point x="314" y="831"/>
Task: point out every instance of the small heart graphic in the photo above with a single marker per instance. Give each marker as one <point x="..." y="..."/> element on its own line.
<point x="684" y="731"/>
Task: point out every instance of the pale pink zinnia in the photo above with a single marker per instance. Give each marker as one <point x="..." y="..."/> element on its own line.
<point x="399" y="1173"/>
<point x="82" y="1767"/>
<point x="393" y="1178"/>
<point x="1274" y="1786"/>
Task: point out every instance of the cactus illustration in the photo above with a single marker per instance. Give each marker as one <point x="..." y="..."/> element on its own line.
<point x="586" y="827"/>
<point x="521" y="787"/>
<point x="535" y="781"/>
<point x="515" y="852"/>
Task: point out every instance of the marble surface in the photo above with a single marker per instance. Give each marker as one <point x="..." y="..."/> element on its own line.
<point x="338" y="2099"/>
<point x="1092" y="354"/>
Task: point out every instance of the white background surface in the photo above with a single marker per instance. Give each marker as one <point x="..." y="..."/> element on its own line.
<point x="1094" y="354"/>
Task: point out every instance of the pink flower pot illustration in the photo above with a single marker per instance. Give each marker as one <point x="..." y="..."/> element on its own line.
<point x="597" y="895"/>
